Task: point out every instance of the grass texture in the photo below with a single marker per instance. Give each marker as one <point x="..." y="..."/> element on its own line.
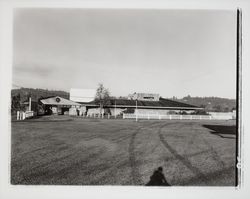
<point x="63" y="150"/>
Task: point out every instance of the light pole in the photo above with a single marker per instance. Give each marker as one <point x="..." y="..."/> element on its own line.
<point x="115" y="109"/>
<point x="101" y="104"/>
<point x="136" y="117"/>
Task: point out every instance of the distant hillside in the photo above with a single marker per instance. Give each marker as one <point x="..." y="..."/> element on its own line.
<point x="37" y="93"/>
<point x="216" y="104"/>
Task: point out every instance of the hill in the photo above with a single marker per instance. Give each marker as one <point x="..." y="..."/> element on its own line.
<point x="216" y="104"/>
<point x="37" y="93"/>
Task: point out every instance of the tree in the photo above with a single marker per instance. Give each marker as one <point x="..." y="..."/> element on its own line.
<point x="217" y="108"/>
<point x="16" y="103"/>
<point x="102" y="95"/>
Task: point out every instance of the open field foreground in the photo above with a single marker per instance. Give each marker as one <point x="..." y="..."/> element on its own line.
<point x="63" y="150"/>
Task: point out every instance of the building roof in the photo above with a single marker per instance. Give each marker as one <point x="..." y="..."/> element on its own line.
<point x="56" y="100"/>
<point x="161" y="104"/>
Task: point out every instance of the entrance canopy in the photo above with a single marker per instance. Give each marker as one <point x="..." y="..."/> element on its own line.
<point x="59" y="101"/>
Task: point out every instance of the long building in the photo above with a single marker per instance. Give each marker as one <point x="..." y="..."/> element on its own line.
<point x="118" y="106"/>
<point x="142" y="103"/>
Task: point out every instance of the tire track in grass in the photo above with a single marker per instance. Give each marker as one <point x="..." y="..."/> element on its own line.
<point x="49" y="174"/>
<point x="135" y="172"/>
<point x="213" y="152"/>
<point x="215" y="155"/>
<point x="184" y="160"/>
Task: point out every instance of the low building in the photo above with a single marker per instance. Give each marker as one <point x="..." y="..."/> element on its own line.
<point x="162" y="107"/>
<point x="59" y="106"/>
<point x="142" y="103"/>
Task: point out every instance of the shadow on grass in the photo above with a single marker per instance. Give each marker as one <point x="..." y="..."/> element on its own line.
<point x="158" y="178"/>
<point x="43" y="118"/>
<point x="222" y="131"/>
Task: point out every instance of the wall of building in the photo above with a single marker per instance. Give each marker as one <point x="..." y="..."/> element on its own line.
<point x="82" y="95"/>
<point x="229" y="115"/>
<point x="81" y="109"/>
<point x="94" y="111"/>
<point x="117" y="111"/>
<point x="111" y="111"/>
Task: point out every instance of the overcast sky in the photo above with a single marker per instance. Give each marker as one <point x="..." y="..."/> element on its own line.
<point x="170" y="52"/>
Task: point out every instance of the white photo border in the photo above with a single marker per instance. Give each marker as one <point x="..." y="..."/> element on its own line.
<point x="6" y="42"/>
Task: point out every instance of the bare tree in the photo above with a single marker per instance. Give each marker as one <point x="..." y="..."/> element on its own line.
<point x="102" y="95"/>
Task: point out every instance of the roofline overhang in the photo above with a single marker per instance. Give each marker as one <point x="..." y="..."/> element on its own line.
<point x="147" y="107"/>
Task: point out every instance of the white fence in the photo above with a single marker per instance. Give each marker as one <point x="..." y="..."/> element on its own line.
<point x="175" y="117"/>
<point x="21" y="115"/>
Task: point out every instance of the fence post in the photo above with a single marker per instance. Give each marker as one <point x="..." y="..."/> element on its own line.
<point x="181" y="117"/>
<point x="170" y="117"/>
<point x="200" y="117"/>
<point x="148" y="116"/>
<point x="123" y="116"/>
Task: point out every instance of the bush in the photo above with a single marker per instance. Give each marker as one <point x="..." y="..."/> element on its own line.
<point x="200" y="112"/>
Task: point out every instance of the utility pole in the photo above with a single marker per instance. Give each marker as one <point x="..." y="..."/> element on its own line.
<point x="29" y="103"/>
<point x="136" y="117"/>
<point x="115" y="109"/>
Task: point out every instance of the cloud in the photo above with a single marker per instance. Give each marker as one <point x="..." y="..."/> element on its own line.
<point x="33" y="69"/>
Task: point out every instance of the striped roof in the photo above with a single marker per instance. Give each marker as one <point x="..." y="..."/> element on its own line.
<point x="161" y="104"/>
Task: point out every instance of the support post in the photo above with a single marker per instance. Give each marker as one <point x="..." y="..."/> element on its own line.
<point x="30" y="104"/>
<point x="115" y="109"/>
<point x="136" y="117"/>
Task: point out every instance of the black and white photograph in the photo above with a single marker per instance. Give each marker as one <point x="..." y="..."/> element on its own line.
<point x="124" y="97"/>
<point x="127" y="97"/>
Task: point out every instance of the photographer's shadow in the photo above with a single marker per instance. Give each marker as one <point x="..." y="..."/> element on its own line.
<point x="158" y="178"/>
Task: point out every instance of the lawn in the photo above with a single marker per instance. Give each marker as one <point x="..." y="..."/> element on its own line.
<point x="63" y="150"/>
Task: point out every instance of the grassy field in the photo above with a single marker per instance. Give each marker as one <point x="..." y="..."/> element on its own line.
<point x="64" y="150"/>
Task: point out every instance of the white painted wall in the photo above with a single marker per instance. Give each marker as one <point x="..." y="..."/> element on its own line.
<point x="73" y="110"/>
<point x="82" y="95"/>
<point x="116" y="111"/>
